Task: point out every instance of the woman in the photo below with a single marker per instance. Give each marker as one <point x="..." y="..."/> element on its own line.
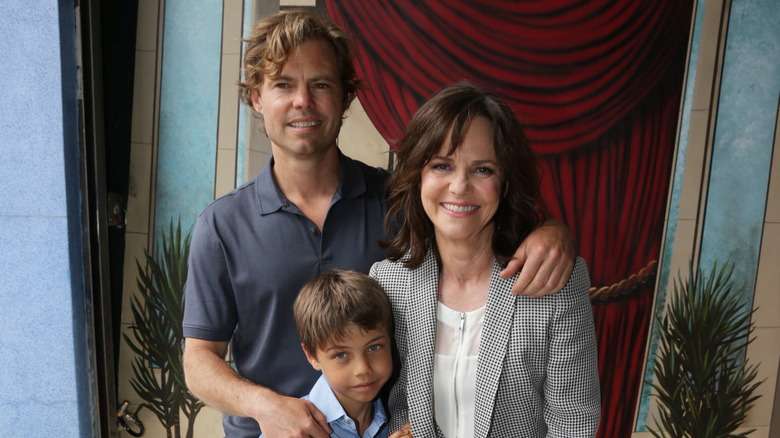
<point x="475" y="359"/>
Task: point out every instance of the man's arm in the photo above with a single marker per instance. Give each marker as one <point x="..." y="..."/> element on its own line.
<point x="213" y="381"/>
<point x="546" y="257"/>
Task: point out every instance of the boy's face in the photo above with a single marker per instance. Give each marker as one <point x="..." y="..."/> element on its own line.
<point x="356" y="367"/>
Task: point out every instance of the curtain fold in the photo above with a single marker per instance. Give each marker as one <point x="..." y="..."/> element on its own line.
<point x="597" y="83"/>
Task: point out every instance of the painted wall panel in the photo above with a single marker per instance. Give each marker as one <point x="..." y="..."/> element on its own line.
<point x="189" y="104"/>
<point x="744" y="138"/>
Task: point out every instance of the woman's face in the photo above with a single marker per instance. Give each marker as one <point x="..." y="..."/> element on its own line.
<point x="461" y="192"/>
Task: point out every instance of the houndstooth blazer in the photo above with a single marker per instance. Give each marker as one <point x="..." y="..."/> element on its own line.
<point x="536" y="372"/>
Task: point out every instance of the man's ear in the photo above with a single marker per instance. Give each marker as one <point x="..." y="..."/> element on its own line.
<point x="312" y="360"/>
<point x="256" y="101"/>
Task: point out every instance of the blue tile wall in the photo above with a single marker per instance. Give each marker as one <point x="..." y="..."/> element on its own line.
<point x="43" y="381"/>
<point x="30" y="109"/>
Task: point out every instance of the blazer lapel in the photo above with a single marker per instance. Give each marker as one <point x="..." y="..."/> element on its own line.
<point x="421" y="320"/>
<point x="499" y="313"/>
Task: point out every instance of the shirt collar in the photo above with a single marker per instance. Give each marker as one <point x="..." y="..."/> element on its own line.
<point x="322" y="396"/>
<point x="270" y="198"/>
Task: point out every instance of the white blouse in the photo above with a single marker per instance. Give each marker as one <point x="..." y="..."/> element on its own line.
<point x="455" y="369"/>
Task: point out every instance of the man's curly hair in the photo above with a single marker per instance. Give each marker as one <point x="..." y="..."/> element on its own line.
<point x="275" y="37"/>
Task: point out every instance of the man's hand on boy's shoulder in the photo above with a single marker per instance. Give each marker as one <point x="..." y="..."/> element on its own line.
<point x="293" y="417"/>
<point x="404" y="431"/>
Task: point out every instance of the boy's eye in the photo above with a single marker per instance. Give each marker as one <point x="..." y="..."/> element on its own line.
<point x="375" y="347"/>
<point x="340" y="355"/>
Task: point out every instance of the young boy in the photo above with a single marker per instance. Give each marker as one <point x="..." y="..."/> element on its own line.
<point x="344" y="321"/>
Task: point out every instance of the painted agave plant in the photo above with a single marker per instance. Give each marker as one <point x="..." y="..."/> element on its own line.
<point x="157" y="339"/>
<point x="704" y="385"/>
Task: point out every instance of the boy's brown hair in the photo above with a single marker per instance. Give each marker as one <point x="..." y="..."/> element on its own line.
<point x="327" y="305"/>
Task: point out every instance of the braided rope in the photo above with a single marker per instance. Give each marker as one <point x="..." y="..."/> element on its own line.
<point x="626" y="286"/>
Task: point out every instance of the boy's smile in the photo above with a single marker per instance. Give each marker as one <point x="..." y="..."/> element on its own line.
<point x="355" y="367"/>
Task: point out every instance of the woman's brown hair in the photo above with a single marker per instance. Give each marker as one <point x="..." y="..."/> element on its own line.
<point x="454" y="108"/>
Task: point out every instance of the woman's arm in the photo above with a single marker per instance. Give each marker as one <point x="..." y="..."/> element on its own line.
<point x="572" y="394"/>
<point x="397" y="406"/>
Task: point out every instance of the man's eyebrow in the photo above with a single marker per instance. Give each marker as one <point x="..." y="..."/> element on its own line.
<point x="330" y="78"/>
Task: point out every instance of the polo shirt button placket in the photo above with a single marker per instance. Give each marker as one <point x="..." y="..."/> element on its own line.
<point x="316" y="237"/>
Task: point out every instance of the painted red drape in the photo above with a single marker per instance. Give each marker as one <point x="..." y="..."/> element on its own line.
<point x="597" y="82"/>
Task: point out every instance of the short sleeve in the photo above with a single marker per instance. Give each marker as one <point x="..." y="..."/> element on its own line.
<point x="209" y="301"/>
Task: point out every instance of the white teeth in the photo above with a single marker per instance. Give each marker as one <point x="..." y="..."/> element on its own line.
<point x="459" y="208"/>
<point x="303" y="124"/>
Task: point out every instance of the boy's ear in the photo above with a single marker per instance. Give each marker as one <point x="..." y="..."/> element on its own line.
<point x="312" y="360"/>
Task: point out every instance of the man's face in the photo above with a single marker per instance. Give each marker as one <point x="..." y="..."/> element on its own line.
<point x="302" y="107"/>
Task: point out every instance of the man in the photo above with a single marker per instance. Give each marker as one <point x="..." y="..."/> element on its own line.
<point x="311" y="209"/>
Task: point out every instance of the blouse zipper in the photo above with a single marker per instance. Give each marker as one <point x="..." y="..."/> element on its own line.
<point x="461" y="325"/>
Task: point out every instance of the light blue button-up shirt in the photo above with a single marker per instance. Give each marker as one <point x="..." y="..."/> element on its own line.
<point x="338" y="420"/>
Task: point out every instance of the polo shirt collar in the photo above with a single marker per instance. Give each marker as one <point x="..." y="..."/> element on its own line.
<point x="352" y="184"/>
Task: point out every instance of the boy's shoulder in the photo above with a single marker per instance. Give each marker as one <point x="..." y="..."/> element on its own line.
<point x="323" y="398"/>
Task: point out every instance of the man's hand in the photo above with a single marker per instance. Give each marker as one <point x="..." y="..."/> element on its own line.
<point x="546" y="257"/>
<point x="289" y="417"/>
<point x="216" y="383"/>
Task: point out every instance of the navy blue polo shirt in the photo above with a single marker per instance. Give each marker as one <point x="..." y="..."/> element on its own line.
<point x="251" y="252"/>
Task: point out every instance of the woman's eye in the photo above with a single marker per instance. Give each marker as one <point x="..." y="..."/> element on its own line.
<point x="484" y="170"/>
<point x="440" y="166"/>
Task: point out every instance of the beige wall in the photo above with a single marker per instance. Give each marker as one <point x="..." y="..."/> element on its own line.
<point x="360" y="140"/>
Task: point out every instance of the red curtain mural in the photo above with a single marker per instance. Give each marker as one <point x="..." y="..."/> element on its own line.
<point x="597" y="82"/>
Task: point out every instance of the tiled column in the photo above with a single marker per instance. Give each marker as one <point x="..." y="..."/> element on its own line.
<point x="45" y="385"/>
